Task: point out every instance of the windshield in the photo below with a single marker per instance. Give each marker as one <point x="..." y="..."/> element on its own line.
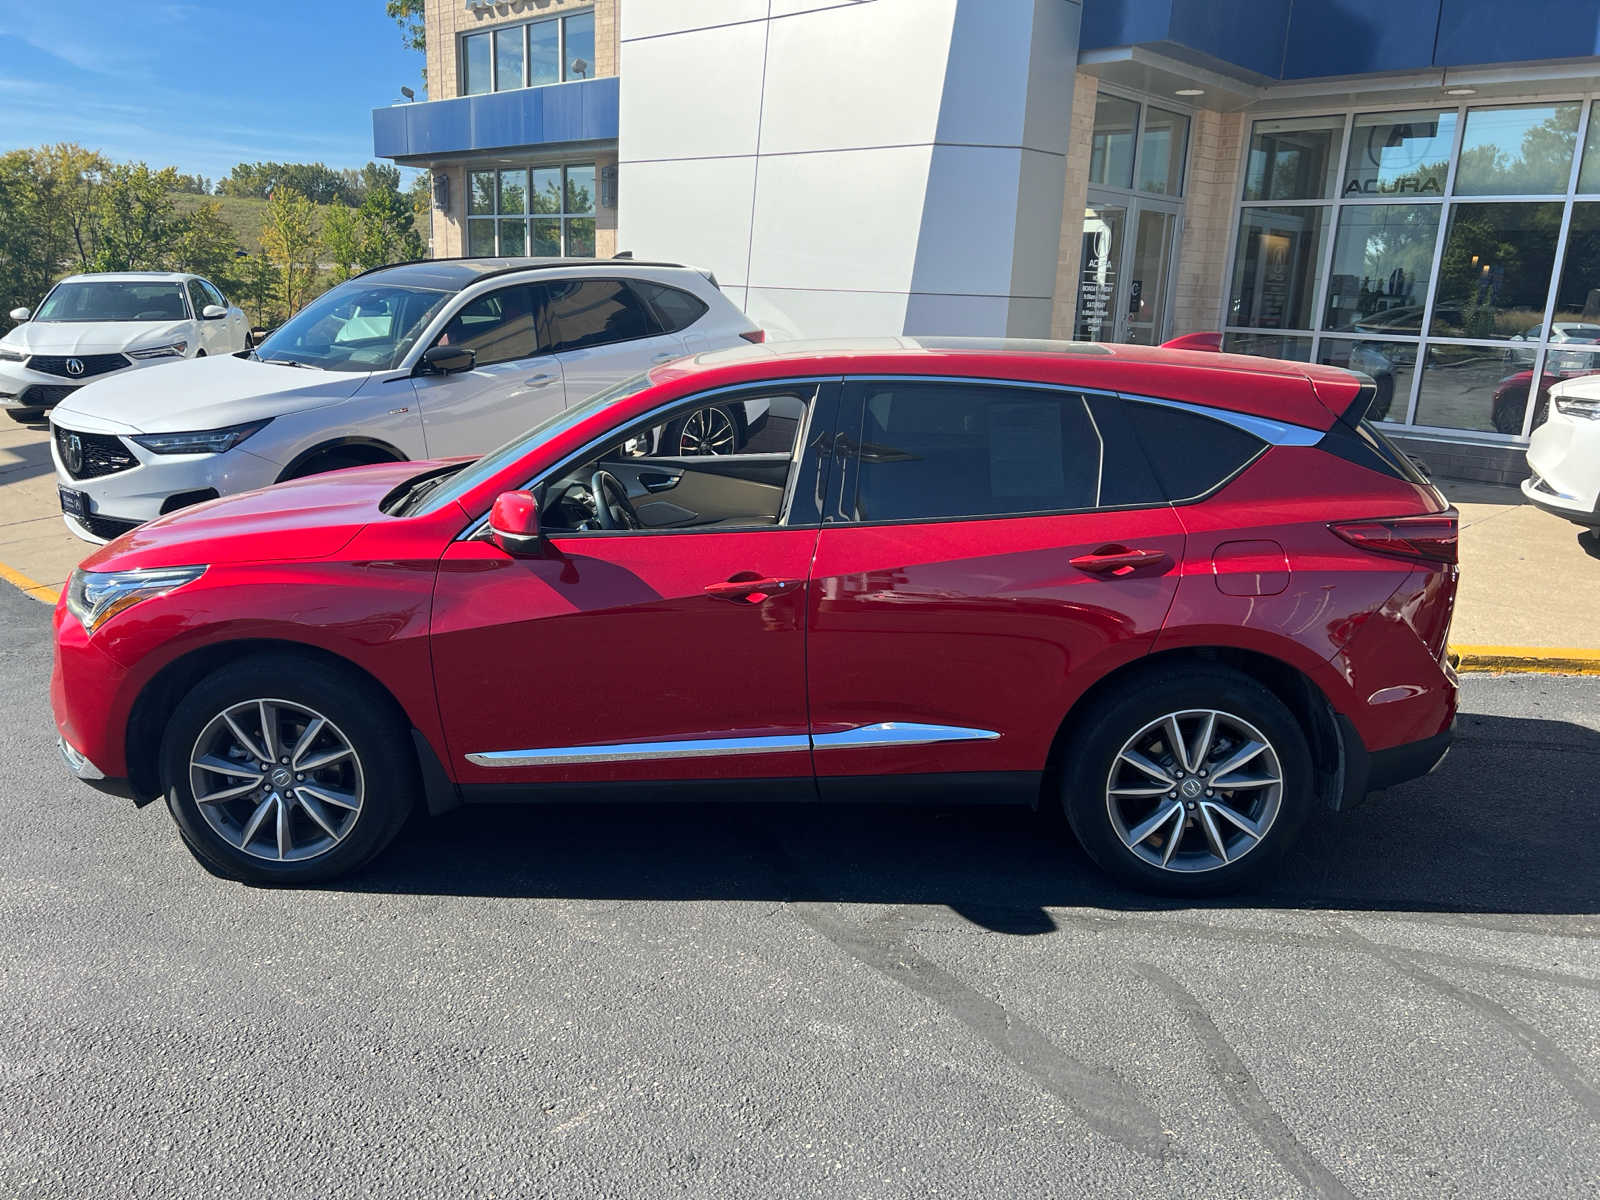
<point x="355" y="327"/>
<point x="114" y="300"/>
<point x="497" y="460"/>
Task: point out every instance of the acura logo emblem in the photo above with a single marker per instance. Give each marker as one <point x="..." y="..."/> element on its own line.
<point x="74" y="366"/>
<point x="74" y="453"/>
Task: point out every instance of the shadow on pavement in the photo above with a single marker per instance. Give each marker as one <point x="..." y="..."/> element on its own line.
<point x="1589" y="539"/>
<point x="28" y="459"/>
<point x="1503" y="826"/>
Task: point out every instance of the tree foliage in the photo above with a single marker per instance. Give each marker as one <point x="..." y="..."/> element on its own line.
<point x="136" y="218"/>
<point x="408" y="14"/>
<point x="289" y="242"/>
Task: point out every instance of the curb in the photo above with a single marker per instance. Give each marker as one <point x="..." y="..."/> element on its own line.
<point x="1538" y="660"/>
<point x="42" y="592"/>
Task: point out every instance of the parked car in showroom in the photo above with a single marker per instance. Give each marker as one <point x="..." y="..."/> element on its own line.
<point x="1189" y="597"/>
<point x="423" y="360"/>
<point x="92" y="327"/>
<point x="1564" y="453"/>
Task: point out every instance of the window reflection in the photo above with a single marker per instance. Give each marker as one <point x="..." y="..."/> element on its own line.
<point x="1524" y="150"/>
<point x="1163" y="146"/>
<point x="1494" y="273"/>
<point x="1382" y="262"/>
<point x="1292" y="160"/>
<point x="1399" y="154"/>
<point x="1111" y="152"/>
<point x="1274" y="277"/>
<point x="1389" y="364"/>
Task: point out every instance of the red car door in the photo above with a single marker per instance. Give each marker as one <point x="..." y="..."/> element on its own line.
<point x="673" y="651"/>
<point x="971" y="581"/>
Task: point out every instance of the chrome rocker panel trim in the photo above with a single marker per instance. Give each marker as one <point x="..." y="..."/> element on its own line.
<point x="885" y="733"/>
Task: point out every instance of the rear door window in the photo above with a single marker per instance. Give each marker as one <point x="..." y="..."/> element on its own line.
<point x="931" y="450"/>
<point x="596" y="312"/>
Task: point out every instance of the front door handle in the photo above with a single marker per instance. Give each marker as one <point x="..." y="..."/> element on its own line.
<point x="751" y="591"/>
<point x="1118" y="560"/>
<point x="538" y="380"/>
<point x="665" y="356"/>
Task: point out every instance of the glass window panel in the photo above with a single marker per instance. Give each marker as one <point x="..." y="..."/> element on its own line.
<point x="546" y="194"/>
<point x="546" y="238"/>
<point x="513" y="191"/>
<point x="579" y="61"/>
<point x="476" y="72"/>
<point x="508" y="58"/>
<point x="595" y="312"/>
<point x="1521" y="151"/>
<point x="544" y="53"/>
<point x="1382" y="261"/>
<point x="481" y="193"/>
<point x="1578" y="296"/>
<point x="1399" y="154"/>
<point x="1161" y="152"/>
<point x="1589" y="173"/>
<point x="1390" y="365"/>
<point x="1101" y="268"/>
<point x="1562" y="362"/>
<point x="1275" y="267"/>
<point x="1494" y="275"/>
<point x="1268" y="345"/>
<point x="514" y="238"/>
<point x="1464" y="386"/>
<point x="480" y="239"/>
<point x="1292" y="160"/>
<point x="498" y="327"/>
<point x="580" y="190"/>
<point x="1111" y="154"/>
<point x="580" y="237"/>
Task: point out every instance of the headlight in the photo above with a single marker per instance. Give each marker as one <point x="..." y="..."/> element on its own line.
<point x="94" y="597"/>
<point x="10" y="355"/>
<point x="170" y="350"/>
<point x="204" y="441"/>
<point x="1574" y="406"/>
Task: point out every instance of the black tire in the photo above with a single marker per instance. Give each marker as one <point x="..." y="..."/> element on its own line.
<point x="199" y="353"/>
<point x="672" y="439"/>
<point x="1098" y="742"/>
<point x="26" y="415"/>
<point x="249" y="340"/>
<point x="359" y="713"/>
<point x="1508" y="411"/>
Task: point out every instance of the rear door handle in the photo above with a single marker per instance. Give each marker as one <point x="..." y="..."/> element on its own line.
<point x="1119" y="560"/>
<point x="751" y="591"/>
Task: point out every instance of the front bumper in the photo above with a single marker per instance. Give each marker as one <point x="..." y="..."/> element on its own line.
<point x="23" y="387"/>
<point x="1542" y="494"/>
<point x="92" y="775"/>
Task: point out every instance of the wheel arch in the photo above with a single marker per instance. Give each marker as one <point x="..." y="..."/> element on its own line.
<point x="379" y="451"/>
<point x="159" y="697"/>
<point x="1324" y="728"/>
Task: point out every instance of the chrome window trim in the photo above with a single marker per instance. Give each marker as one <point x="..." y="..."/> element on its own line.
<point x="543" y="477"/>
<point x="882" y="735"/>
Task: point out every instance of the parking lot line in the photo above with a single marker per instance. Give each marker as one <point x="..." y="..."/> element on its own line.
<point x="41" y="592"/>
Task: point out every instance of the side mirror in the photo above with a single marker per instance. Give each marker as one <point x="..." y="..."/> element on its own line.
<point x="448" y="360"/>
<point x="21" y="314"/>
<point x="514" y="524"/>
<point x="213" y="312"/>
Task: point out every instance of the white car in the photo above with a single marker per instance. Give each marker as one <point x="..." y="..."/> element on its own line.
<point x="1564" y="453"/>
<point x="91" y="326"/>
<point x="424" y="360"/>
<point x="1562" y="335"/>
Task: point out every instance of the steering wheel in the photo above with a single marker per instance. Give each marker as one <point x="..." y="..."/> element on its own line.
<point x="607" y="490"/>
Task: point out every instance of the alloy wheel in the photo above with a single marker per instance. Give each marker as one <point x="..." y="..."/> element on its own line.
<point x="708" y="431"/>
<point x="276" y="780"/>
<point x="1194" y="790"/>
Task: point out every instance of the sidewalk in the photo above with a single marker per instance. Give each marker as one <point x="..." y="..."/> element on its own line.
<point x="1528" y="580"/>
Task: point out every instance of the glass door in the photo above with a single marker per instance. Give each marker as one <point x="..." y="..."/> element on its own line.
<point x="1100" y="278"/>
<point x="1155" y="242"/>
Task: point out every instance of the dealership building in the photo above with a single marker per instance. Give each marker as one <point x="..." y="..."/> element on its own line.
<point x="1410" y="189"/>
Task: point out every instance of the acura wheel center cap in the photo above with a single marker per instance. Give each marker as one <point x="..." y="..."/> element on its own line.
<point x="1192" y="788"/>
<point x="282" y="778"/>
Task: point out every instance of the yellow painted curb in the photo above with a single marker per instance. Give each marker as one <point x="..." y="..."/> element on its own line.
<point x="1543" y="660"/>
<point x="41" y="592"/>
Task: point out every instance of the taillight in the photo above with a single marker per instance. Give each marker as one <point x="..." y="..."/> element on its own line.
<point x="755" y="335"/>
<point x="1431" y="537"/>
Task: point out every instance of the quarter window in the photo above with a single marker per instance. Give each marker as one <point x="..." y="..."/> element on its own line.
<point x="1190" y="454"/>
<point x="931" y="450"/>
<point x="595" y="312"/>
<point x="676" y="309"/>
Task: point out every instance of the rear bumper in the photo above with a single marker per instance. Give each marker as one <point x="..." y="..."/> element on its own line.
<point x="1367" y="771"/>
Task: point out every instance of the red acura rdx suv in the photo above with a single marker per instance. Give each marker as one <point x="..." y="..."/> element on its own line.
<point x="1188" y="596"/>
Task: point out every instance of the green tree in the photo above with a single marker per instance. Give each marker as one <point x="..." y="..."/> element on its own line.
<point x="379" y="177"/>
<point x="258" y="284"/>
<point x="289" y="241"/>
<point x="26" y="266"/>
<point x="206" y="245"/>
<point x="136" y="217"/>
<point x="73" y="176"/>
<point x="408" y="14"/>
<point x="342" y="237"/>
<point x="388" y="230"/>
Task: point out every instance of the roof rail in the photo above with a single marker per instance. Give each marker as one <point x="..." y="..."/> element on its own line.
<point x="552" y="264"/>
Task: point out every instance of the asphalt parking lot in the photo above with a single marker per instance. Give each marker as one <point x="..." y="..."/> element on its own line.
<point x="765" y="1001"/>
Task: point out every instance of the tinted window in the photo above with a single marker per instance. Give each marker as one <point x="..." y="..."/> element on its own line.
<point x="676" y="309"/>
<point x="962" y="450"/>
<point x="594" y="312"/>
<point x="497" y="327"/>
<point x="215" y="296"/>
<point x="197" y="297"/>
<point x="113" y="300"/>
<point x="1191" y="454"/>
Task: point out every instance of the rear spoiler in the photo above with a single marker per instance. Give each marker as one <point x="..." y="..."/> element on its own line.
<point x="1352" y="409"/>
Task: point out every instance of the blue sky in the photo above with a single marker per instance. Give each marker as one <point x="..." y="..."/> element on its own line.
<point x="201" y="86"/>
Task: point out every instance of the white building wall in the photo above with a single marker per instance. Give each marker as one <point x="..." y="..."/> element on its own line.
<point x="857" y="167"/>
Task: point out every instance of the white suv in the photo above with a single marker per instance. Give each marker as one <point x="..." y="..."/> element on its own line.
<point x="90" y="326"/>
<point x="1564" y="453"/>
<point x="425" y="360"/>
